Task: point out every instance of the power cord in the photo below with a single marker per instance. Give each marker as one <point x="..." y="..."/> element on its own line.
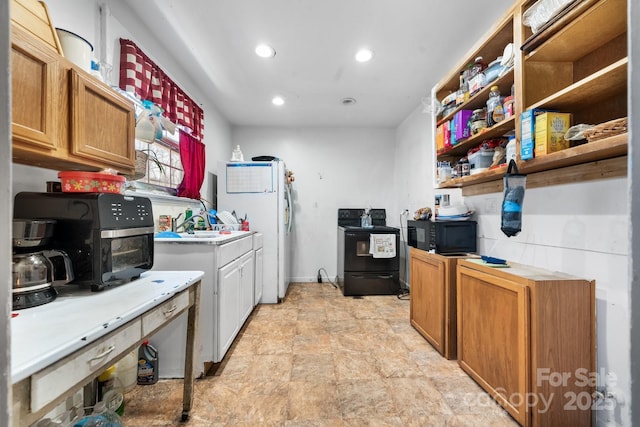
<point x="328" y="279"/>
<point x="404" y="291"/>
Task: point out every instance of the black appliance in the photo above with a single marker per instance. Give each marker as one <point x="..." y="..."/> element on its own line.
<point x="359" y="272"/>
<point x="107" y="236"/>
<point x="443" y="237"/>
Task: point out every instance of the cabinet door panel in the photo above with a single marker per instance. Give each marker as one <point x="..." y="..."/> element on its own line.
<point x="428" y="299"/>
<point x="258" y="274"/>
<point x="33" y="77"/>
<point x="493" y="339"/>
<point x="102" y="123"/>
<point x="229" y="307"/>
<point x="246" y="286"/>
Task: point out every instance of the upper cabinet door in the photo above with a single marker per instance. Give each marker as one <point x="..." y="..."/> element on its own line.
<point x="102" y="122"/>
<point x="34" y="71"/>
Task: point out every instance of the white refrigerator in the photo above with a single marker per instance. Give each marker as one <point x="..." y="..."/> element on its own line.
<point x="262" y="192"/>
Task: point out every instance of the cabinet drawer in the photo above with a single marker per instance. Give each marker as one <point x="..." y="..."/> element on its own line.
<point x="162" y="314"/>
<point x="232" y="250"/>
<point x="55" y="380"/>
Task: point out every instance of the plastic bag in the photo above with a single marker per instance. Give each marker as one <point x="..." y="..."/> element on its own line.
<point x="511" y="212"/>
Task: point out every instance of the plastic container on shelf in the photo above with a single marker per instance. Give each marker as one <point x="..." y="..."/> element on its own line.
<point x="541" y="12"/>
<point x="511" y="149"/>
<point x="480" y="160"/>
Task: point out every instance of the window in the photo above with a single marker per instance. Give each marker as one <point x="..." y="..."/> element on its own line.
<point x="163" y="153"/>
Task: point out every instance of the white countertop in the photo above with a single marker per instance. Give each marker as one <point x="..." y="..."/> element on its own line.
<point x="44" y="334"/>
<point x="205" y="237"/>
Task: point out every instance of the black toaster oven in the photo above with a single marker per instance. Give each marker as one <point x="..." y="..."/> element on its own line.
<point x="108" y="236"/>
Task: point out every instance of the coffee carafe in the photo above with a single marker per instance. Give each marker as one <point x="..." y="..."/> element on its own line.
<point x="34" y="270"/>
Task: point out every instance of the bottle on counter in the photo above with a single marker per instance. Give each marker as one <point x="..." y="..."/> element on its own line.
<point x="495" y="110"/>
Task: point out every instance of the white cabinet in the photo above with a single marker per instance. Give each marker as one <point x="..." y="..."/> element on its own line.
<point x="226" y="300"/>
<point x="235" y="294"/>
<point x="258" y="269"/>
<point x="246" y="286"/>
<point x="258" y="274"/>
<point x="229" y="299"/>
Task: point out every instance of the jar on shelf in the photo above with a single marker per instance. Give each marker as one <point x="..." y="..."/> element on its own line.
<point x="508" y="107"/>
<point x="478" y="120"/>
<point x="495" y="112"/>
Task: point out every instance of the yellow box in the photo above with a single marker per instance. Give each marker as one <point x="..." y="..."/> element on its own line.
<point x="550" y="130"/>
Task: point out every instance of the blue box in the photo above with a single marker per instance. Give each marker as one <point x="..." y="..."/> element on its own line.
<point x="528" y="132"/>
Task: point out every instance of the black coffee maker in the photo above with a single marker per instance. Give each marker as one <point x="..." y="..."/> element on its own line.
<point x="35" y="270"/>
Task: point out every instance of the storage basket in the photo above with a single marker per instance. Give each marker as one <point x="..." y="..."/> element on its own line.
<point x="606" y="129"/>
<point x="141" y="166"/>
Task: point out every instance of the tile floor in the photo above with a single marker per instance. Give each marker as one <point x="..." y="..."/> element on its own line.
<point x="322" y="359"/>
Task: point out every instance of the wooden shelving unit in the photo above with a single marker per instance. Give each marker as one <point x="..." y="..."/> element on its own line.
<point x="579" y="65"/>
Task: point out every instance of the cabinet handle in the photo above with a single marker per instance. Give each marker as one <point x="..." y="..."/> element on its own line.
<point x="103" y="354"/>
<point x="171" y="310"/>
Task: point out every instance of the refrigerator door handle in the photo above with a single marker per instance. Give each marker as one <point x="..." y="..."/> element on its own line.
<point x="290" y="210"/>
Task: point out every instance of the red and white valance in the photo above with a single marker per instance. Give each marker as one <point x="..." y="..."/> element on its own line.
<point x="140" y="75"/>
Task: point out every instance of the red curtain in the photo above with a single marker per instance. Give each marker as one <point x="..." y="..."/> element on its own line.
<point x="141" y="75"/>
<point x="192" y="154"/>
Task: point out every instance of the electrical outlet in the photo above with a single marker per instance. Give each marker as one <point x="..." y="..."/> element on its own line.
<point x="491" y="205"/>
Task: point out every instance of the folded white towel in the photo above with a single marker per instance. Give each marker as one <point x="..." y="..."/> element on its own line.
<point x="382" y="245"/>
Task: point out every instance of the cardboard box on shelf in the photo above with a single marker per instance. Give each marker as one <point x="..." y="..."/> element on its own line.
<point x="550" y="130"/>
<point x="527" y="132"/>
<point x="462" y="126"/>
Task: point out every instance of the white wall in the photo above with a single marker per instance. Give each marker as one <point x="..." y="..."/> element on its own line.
<point x="84" y="19"/>
<point x="334" y="168"/>
<point x="580" y="229"/>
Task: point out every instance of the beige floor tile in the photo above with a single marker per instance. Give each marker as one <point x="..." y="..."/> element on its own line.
<point x="313" y="368"/>
<point x="321" y="359"/>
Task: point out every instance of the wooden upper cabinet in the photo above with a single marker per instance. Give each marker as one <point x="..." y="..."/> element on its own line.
<point x="102" y="123"/>
<point x="62" y="117"/>
<point x="33" y="79"/>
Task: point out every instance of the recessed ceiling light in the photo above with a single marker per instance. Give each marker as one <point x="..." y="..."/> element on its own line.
<point x="278" y="100"/>
<point x="364" y="55"/>
<point x="348" y="101"/>
<point x="265" y="51"/>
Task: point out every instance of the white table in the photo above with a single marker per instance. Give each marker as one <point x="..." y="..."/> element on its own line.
<point x="61" y="346"/>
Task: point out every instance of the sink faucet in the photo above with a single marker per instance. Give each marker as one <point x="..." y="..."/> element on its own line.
<point x="189" y="223"/>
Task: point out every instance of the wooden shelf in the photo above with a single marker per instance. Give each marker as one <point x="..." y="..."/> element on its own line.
<point x="479" y="100"/>
<point x="577" y="38"/>
<point x="495" y="131"/>
<point x="486" y="176"/>
<point x="577" y="64"/>
<point x="606" y="148"/>
<point x="598" y="86"/>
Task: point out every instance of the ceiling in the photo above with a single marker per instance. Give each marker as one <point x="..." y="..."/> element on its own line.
<point x="415" y="42"/>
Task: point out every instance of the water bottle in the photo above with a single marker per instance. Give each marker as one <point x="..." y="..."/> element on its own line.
<point x="100" y="417"/>
<point x="495" y="111"/>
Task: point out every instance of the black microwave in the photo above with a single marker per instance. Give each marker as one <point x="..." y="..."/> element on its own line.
<point x="443" y="237"/>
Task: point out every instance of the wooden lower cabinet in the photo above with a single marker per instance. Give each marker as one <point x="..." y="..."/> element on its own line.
<point x="527" y="336"/>
<point x="433" y="299"/>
